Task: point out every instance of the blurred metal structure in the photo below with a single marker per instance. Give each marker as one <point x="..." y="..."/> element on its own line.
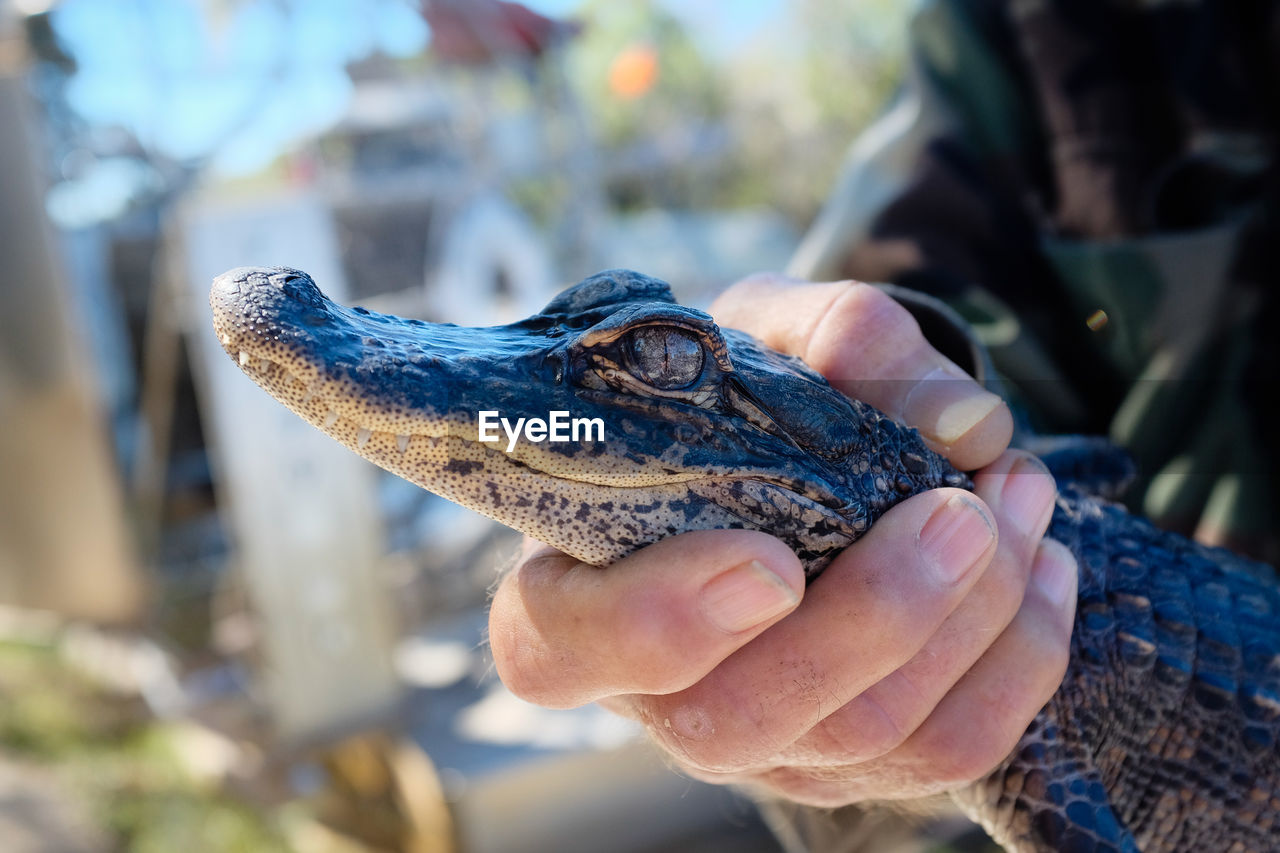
<point x="64" y="540"/>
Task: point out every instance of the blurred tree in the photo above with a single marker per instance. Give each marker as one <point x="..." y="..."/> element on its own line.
<point x="802" y="92"/>
<point x="658" y="106"/>
<point x="766" y="125"/>
<point x="620" y="40"/>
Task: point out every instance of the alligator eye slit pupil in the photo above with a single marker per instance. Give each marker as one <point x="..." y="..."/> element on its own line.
<point x="666" y="357"/>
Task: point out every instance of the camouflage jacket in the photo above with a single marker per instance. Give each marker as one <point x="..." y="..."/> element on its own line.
<point x="1092" y="186"/>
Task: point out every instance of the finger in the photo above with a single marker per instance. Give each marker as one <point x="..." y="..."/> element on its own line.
<point x="1020" y="492"/>
<point x="869" y="612"/>
<point x="564" y="633"/>
<point x="871" y="348"/>
<point x="979" y="723"/>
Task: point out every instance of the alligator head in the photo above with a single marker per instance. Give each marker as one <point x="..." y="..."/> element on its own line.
<point x="702" y="427"/>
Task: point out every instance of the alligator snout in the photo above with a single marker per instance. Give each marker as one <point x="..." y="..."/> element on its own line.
<point x="258" y="308"/>
<point x="246" y="291"/>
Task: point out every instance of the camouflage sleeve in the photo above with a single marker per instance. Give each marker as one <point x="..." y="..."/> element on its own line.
<point x="1112" y="258"/>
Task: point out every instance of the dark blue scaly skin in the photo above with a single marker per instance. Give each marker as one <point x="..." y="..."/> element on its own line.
<point x="752" y="439"/>
<point x="1163" y="735"/>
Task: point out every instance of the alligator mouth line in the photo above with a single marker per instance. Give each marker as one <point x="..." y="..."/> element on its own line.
<point x="395" y="451"/>
<point x="309" y="400"/>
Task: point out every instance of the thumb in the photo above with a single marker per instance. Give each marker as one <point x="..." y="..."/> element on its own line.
<point x="565" y="633"/>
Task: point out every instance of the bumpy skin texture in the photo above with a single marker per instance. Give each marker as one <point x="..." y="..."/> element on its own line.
<point x="1163" y="735"/>
<point x="754" y="440"/>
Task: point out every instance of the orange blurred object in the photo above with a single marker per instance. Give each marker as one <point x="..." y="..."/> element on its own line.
<point x="634" y="71"/>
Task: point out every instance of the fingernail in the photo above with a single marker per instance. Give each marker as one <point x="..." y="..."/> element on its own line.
<point x="746" y="596"/>
<point x="946" y="404"/>
<point x="955" y="536"/>
<point x="1028" y="494"/>
<point x="1054" y="571"/>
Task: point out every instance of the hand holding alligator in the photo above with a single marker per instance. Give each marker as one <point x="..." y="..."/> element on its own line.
<point x="916" y="660"/>
<point x="924" y="642"/>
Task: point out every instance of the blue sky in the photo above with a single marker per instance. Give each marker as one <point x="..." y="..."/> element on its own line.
<point x="186" y="85"/>
<point x="158" y="68"/>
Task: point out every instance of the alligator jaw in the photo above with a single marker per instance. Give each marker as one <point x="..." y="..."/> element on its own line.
<point x="703" y="428"/>
<point x="388" y="387"/>
<point x="404" y="394"/>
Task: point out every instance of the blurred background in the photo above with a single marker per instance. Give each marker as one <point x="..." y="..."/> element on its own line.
<point x="218" y="629"/>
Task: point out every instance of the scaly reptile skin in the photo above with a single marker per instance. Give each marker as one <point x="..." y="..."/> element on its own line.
<point x="1163" y="735"/>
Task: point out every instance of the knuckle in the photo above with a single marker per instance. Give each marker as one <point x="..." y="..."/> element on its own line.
<point x="998" y="732"/>
<point x="863" y="326"/>
<point x="991" y="737"/>
<point x="1003" y="590"/>
<point x="962" y="760"/>
<point x="744" y="291"/>
<point x="537" y="672"/>
<point x="972" y="758"/>
<point x="860" y="731"/>
<point x="712" y="732"/>
<point x="689" y="733"/>
<point x="646" y="641"/>
<point x="873" y="309"/>
<point x="524" y="673"/>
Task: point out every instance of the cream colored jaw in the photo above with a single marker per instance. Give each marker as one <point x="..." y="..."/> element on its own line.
<point x="388" y="438"/>
<point x="303" y="390"/>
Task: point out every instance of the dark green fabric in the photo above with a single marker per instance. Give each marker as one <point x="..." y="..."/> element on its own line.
<point x="1092" y="185"/>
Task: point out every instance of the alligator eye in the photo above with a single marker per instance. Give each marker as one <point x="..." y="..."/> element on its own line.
<point x="666" y="357"/>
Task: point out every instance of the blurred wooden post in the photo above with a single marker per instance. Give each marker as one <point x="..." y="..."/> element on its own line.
<point x="302" y="508"/>
<point x="64" y="541"/>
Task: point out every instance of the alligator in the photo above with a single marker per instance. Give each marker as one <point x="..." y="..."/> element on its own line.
<point x="1163" y="733"/>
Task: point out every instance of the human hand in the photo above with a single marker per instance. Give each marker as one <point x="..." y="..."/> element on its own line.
<point x="918" y="657"/>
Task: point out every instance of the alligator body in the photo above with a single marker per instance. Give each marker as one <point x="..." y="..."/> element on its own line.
<point x="1163" y="735"/>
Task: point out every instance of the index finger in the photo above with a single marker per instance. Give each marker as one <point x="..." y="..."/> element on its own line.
<point x="871" y="348"/>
